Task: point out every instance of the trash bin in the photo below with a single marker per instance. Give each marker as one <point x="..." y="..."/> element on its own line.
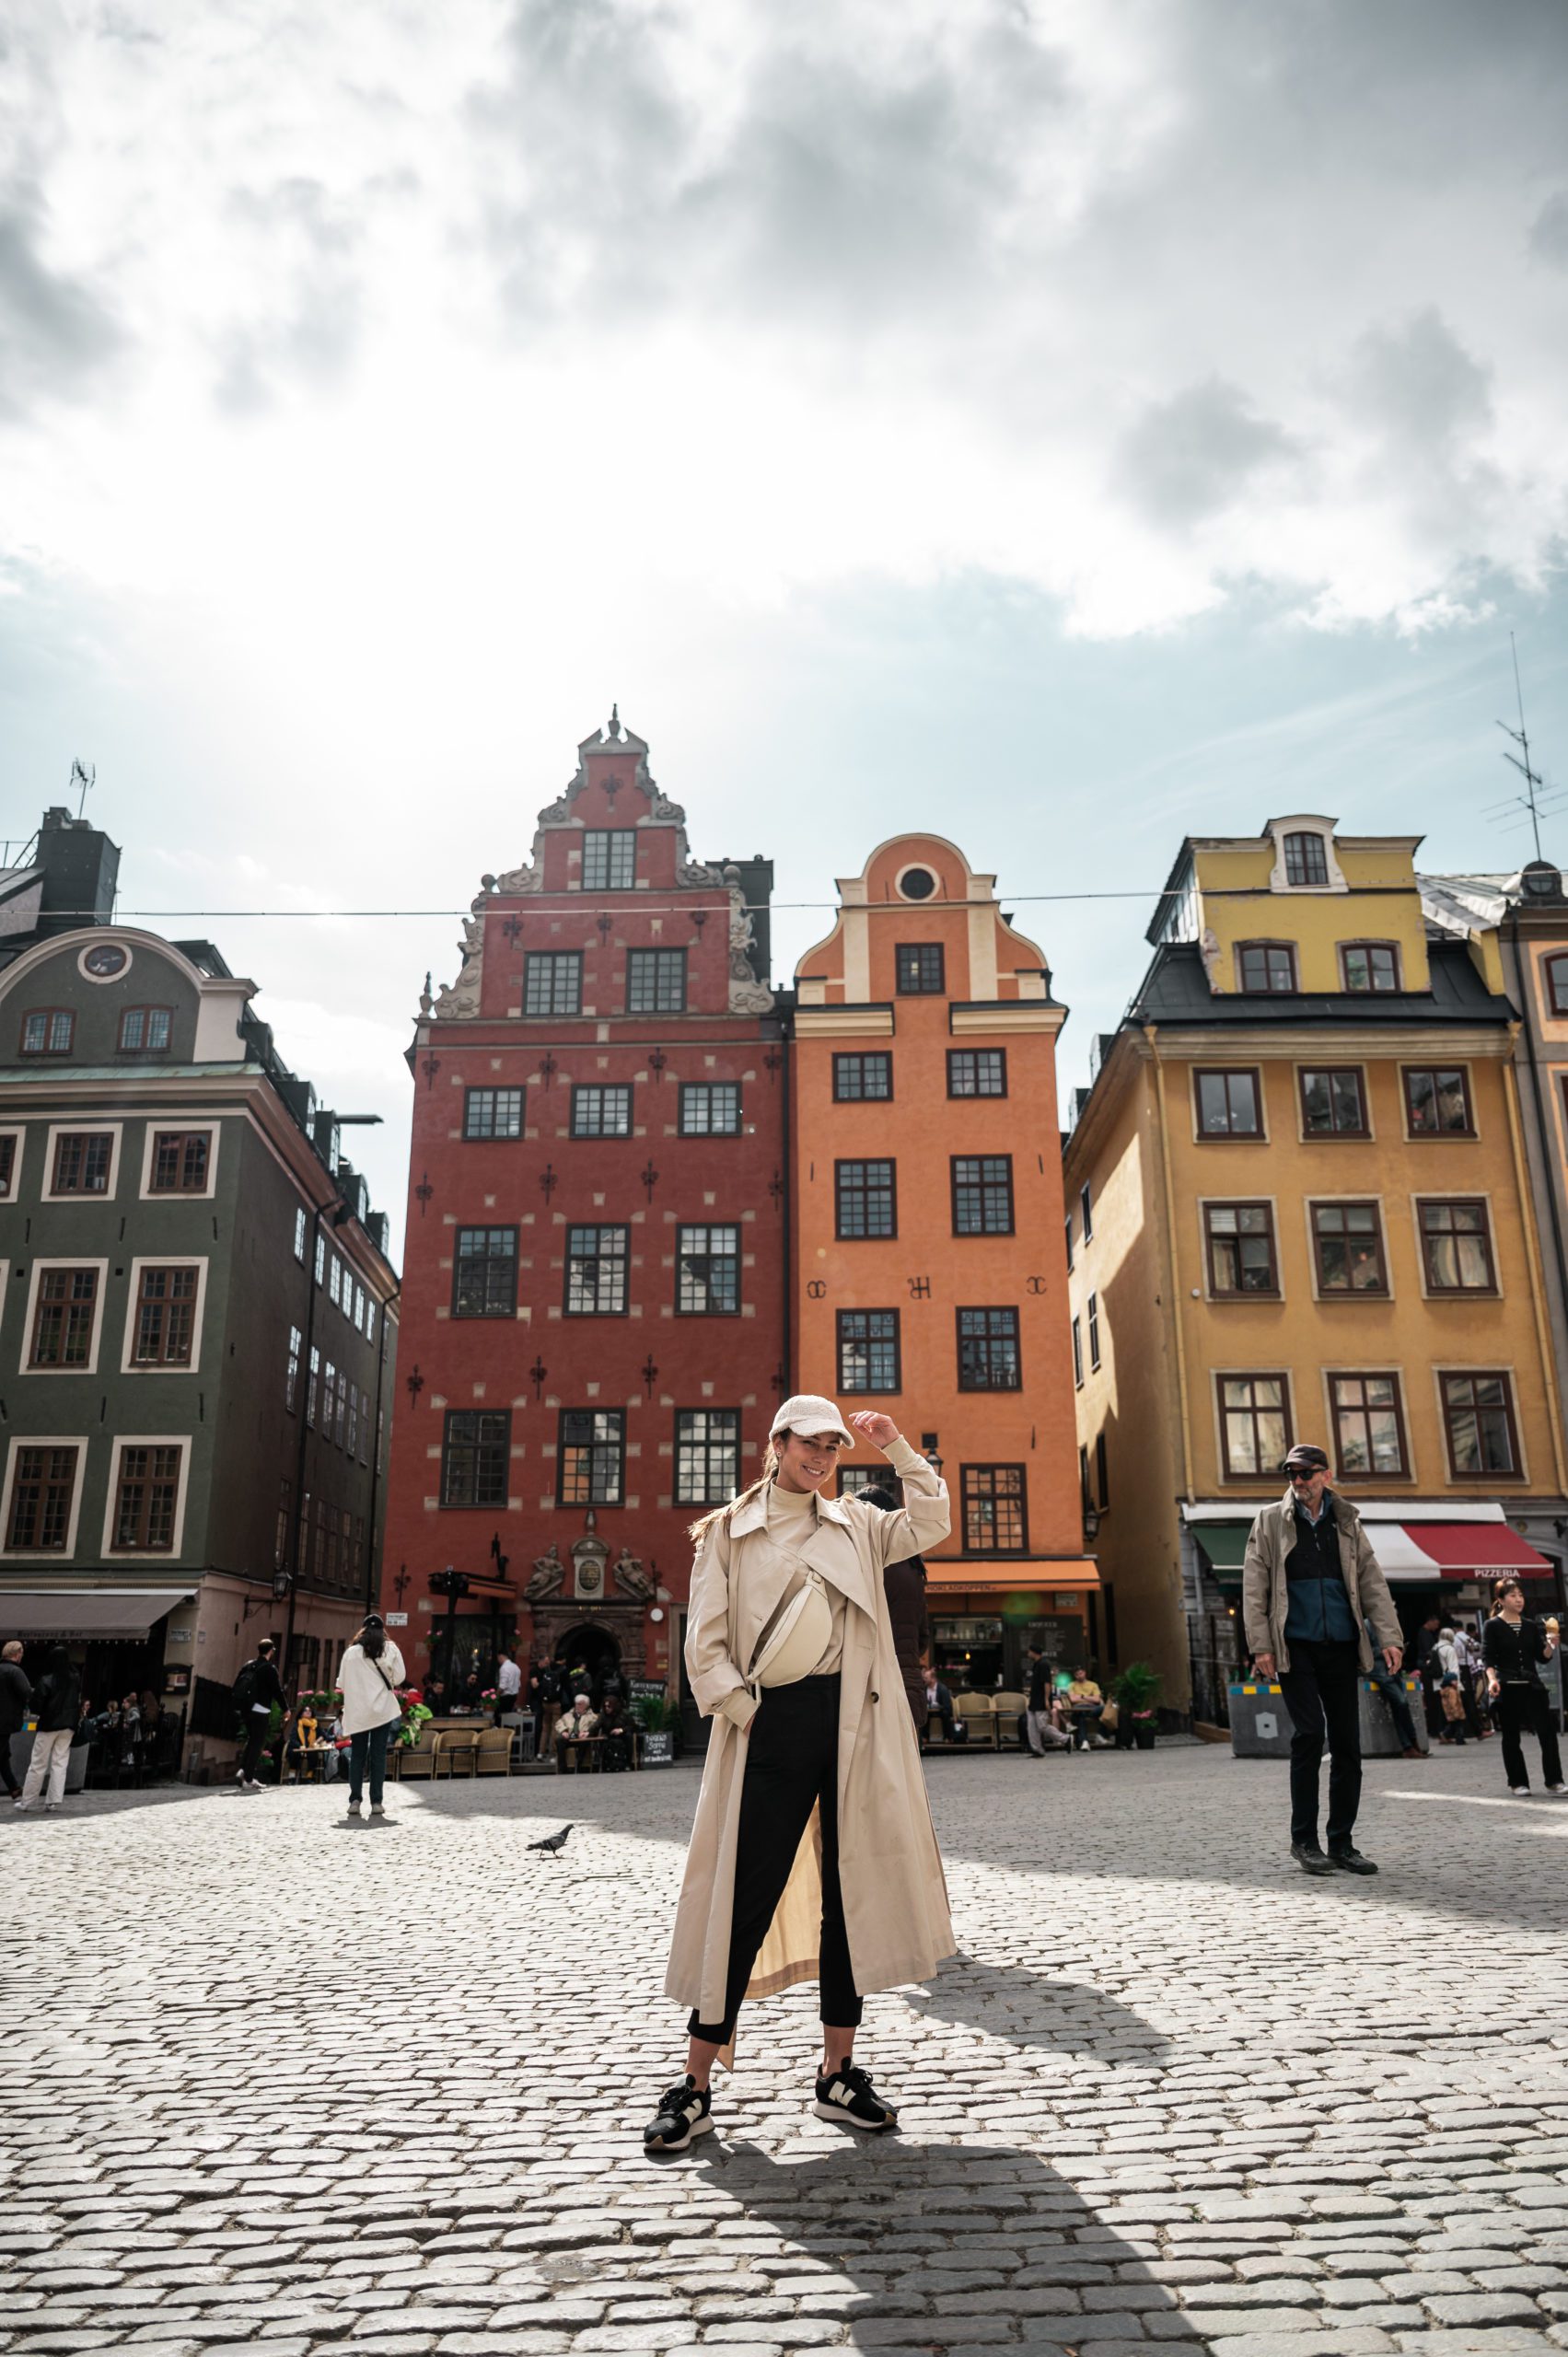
<point x="76" y="1770"/>
<point x="1261" y="1726"/>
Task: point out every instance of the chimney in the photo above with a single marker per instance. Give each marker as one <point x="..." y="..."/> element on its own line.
<point x="80" y="868"/>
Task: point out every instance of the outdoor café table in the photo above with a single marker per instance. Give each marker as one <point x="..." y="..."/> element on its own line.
<point x="591" y="1744"/>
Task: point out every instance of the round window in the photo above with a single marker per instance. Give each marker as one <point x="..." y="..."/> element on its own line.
<point x="104" y="961"/>
<point x="917" y="883"/>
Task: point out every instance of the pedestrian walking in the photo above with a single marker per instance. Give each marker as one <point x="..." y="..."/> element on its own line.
<point x="904" y="1585"/>
<point x="257" y="1690"/>
<point x="508" y="1685"/>
<point x="59" y="1707"/>
<point x="1311" y="1588"/>
<point x="1514" y="1644"/>
<point x="1472" y="1679"/>
<point x="369" y="1675"/>
<point x="1042" y="1720"/>
<point x="790" y="1653"/>
<point x="16" y="1694"/>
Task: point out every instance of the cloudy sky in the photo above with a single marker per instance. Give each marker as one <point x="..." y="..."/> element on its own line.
<point x="1065" y="425"/>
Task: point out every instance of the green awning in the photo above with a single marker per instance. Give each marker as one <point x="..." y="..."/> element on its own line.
<point x="1223" y="1544"/>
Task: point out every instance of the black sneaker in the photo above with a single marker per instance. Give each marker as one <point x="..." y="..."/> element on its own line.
<point x="1351" y="1861"/>
<point x="849" y="2096"/>
<point x="686" y="2111"/>
<point x="1309" y="1858"/>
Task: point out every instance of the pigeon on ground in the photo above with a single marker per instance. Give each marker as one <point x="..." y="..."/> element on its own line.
<point x="553" y="1841"/>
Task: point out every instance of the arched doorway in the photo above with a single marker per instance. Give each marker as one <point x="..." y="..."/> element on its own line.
<point x="596" y="1650"/>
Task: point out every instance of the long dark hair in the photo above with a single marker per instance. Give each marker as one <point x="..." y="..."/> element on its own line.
<point x="372" y="1638"/>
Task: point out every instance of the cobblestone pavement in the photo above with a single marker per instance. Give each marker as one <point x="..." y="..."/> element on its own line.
<point x="279" y="2084"/>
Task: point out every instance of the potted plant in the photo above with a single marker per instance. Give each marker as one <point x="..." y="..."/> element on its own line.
<point x="656" y="1716"/>
<point x="1136" y="1693"/>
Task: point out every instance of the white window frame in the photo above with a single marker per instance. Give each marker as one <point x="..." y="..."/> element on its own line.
<point x="58" y="1130"/>
<point x="122" y="1441"/>
<point x="16" y="1130"/>
<point x="63" y="1261"/>
<point x="129" y="1363"/>
<point x="78" y="1441"/>
<point x="179" y="1194"/>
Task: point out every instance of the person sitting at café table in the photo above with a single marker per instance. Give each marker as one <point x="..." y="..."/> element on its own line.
<point x="615" y="1728"/>
<point x="1085" y="1704"/>
<point x="305" y="1737"/>
<point x="939" y="1703"/>
<point x="579" y="1727"/>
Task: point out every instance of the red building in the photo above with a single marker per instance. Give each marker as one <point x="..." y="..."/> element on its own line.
<point x="593" y="1336"/>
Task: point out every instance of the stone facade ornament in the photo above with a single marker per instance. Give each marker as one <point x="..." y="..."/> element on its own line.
<point x="589" y="1556"/>
<point x="630" y="1578"/>
<point x="549" y="1572"/>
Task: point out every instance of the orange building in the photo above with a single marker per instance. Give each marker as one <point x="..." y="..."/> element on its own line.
<point x="930" y="1271"/>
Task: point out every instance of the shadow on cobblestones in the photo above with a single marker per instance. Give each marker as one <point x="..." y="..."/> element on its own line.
<point x="1007" y="2001"/>
<point x="945" y="2249"/>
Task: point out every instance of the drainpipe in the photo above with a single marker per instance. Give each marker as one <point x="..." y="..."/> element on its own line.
<point x="371" y="1598"/>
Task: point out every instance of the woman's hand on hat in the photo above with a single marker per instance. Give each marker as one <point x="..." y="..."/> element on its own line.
<point x="881" y="1431"/>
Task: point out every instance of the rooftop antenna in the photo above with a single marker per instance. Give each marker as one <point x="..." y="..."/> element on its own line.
<point x="84" y="774"/>
<point x="1534" y="782"/>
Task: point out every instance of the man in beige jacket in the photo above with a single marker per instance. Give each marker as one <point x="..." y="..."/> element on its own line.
<point x="1310" y="1588"/>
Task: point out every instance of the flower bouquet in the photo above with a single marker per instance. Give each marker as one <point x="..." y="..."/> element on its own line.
<point x="415" y="1713"/>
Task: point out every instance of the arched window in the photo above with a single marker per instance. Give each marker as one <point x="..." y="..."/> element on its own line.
<point x="1306" y="859"/>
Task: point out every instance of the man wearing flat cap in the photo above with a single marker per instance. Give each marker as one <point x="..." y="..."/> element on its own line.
<point x="1311" y="1588"/>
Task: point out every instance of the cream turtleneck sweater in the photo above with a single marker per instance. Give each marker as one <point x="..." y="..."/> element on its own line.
<point x="791" y="1525"/>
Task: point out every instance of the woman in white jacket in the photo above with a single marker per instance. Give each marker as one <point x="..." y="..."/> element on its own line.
<point x="369" y="1674"/>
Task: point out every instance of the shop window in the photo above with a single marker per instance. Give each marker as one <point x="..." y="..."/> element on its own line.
<point x="1254" y="1412"/>
<point x="42" y="1489"/>
<point x="592" y="1449"/>
<point x="1333" y="1101"/>
<point x="1438" y="1101"/>
<point x="1456" y="1245"/>
<point x="988" y="1350"/>
<point x="595" y="1271"/>
<point x="707" y="1456"/>
<point x="710" y="1108"/>
<point x="1369" y="1425"/>
<point x="552" y="981"/>
<point x="492" y="1113"/>
<point x="863" y="1079"/>
<point x="868" y="1350"/>
<point x="476" y="1451"/>
<point x="995" y="1515"/>
<point x="866" y="1201"/>
<point x="602" y="1113"/>
<point x="656" y="981"/>
<point x="977" y="1072"/>
<point x="1240" y="1238"/>
<point x="707" y="1262"/>
<point x="1229" y="1104"/>
<point x="485" y="1272"/>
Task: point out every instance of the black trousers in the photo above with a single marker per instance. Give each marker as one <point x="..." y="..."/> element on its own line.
<point x="792" y="1761"/>
<point x="1322" y="1693"/>
<point x="258" y="1727"/>
<point x="1524" y="1708"/>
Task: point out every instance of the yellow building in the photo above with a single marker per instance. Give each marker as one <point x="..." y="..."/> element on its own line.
<point x="1300" y="1209"/>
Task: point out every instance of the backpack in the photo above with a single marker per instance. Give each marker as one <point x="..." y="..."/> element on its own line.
<point x="245" y="1689"/>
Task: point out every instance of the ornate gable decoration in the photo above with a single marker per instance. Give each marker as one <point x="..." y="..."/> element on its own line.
<point x="748" y="991"/>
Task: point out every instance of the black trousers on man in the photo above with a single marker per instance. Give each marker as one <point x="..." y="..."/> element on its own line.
<point x="792" y="1761"/>
<point x="1525" y="1708"/>
<point x="1322" y="1693"/>
<point x="258" y="1728"/>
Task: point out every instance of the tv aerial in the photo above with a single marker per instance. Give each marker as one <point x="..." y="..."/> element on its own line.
<point x="82" y="774"/>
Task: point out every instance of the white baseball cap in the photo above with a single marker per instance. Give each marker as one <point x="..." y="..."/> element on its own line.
<point x="809" y="1415"/>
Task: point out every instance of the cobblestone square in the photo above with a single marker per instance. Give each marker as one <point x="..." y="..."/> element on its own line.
<point x="277" y="2082"/>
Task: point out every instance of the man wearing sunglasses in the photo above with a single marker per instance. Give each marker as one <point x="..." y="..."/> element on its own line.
<point x="1315" y="1603"/>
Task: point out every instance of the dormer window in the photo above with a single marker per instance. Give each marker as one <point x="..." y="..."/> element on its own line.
<point x="1306" y="860"/>
<point x="1266" y="966"/>
<point x="1370" y="965"/>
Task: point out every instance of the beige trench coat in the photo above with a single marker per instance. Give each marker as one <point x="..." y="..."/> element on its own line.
<point x="895" y="1896"/>
<point x="1265" y="1593"/>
